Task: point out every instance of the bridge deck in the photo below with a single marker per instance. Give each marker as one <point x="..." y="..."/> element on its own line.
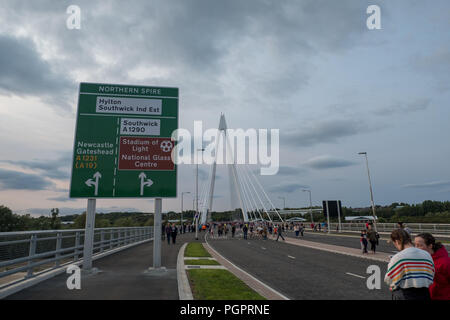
<point x="122" y="277"/>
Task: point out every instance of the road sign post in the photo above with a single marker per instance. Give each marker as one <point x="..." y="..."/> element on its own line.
<point x="157" y="234"/>
<point x="123" y="147"/>
<point x="339" y="216"/>
<point x="328" y="218"/>
<point x="89" y="235"/>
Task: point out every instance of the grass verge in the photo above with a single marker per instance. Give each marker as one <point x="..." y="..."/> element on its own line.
<point x="201" y="262"/>
<point x="195" y="249"/>
<point x="219" y="284"/>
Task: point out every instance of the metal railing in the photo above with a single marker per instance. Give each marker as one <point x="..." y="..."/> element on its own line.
<point x="433" y="228"/>
<point x="28" y="253"/>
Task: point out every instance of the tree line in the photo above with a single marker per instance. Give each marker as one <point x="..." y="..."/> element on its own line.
<point x="426" y="212"/>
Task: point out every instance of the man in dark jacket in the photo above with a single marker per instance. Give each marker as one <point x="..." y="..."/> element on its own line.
<point x="372" y="237"/>
<point x="173" y="232"/>
<point x="245" y="230"/>
<point x="168" y="232"/>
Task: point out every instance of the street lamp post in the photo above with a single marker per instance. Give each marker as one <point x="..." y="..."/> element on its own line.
<point x="181" y="219"/>
<point x="310" y="204"/>
<point x="196" y="196"/>
<point x="370" y="187"/>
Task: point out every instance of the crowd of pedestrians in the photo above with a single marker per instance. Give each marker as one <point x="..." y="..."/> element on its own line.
<point x="419" y="271"/>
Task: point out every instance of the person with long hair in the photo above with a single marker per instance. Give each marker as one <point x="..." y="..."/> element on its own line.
<point x="410" y="271"/>
<point x="440" y="289"/>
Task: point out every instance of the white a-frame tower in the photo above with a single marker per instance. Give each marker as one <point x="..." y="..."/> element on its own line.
<point x="207" y="207"/>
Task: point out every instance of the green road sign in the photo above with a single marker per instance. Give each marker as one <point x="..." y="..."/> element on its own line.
<point x="123" y="142"/>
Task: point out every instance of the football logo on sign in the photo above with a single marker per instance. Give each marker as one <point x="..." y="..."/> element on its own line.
<point x="166" y="146"/>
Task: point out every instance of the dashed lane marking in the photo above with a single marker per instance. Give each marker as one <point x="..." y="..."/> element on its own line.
<point x="355" y="275"/>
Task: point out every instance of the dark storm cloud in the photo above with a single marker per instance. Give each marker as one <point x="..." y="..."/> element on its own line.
<point x="328" y="162"/>
<point x="15" y="180"/>
<point x="25" y="73"/>
<point x="262" y="46"/>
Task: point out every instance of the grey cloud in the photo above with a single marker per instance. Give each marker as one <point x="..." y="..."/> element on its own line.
<point x="54" y="168"/>
<point x="285" y="171"/>
<point x="328" y="162"/>
<point x="16" y="180"/>
<point x="328" y="131"/>
<point x="61" y="199"/>
<point x="287" y="187"/>
<point x="25" y="73"/>
<point x="433" y="184"/>
<point x="268" y="43"/>
<point x="404" y="108"/>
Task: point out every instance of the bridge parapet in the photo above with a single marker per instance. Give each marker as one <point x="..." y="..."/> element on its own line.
<point x="26" y="254"/>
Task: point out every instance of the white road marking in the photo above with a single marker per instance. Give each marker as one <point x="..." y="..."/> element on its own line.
<point x="263" y="248"/>
<point x="355" y="275"/>
<point x="291" y="257"/>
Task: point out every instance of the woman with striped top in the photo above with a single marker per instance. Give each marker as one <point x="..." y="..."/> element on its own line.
<point x="411" y="271"/>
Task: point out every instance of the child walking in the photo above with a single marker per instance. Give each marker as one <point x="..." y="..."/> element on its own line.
<point x="363" y="241"/>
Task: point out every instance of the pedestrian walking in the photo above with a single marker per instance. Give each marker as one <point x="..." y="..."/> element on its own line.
<point x="280" y="234"/>
<point x="264" y="233"/>
<point x="233" y="230"/>
<point x="168" y="232"/>
<point x="372" y="237"/>
<point x="302" y="229"/>
<point x="403" y="226"/>
<point x="296" y="230"/>
<point x="440" y="289"/>
<point x="245" y="231"/>
<point x="411" y="271"/>
<point x="173" y="233"/>
<point x="363" y="241"/>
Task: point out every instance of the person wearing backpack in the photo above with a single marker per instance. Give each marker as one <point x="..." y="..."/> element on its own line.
<point x="372" y="237"/>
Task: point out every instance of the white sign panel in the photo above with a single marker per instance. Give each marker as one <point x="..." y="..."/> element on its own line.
<point x="129" y="105"/>
<point x="143" y="127"/>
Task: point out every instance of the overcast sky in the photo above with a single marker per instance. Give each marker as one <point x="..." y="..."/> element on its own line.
<point x="310" y="68"/>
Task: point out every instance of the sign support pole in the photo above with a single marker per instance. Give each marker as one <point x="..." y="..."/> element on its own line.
<point x="89" y="235"/>
<point x="328" y="218"/>
<point x="157" y="234"/>
<point x="339" y="214"/>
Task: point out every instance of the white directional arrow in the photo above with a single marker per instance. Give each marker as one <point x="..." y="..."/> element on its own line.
<point x="90" y="182"/>
<point x="144" y="183"/>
